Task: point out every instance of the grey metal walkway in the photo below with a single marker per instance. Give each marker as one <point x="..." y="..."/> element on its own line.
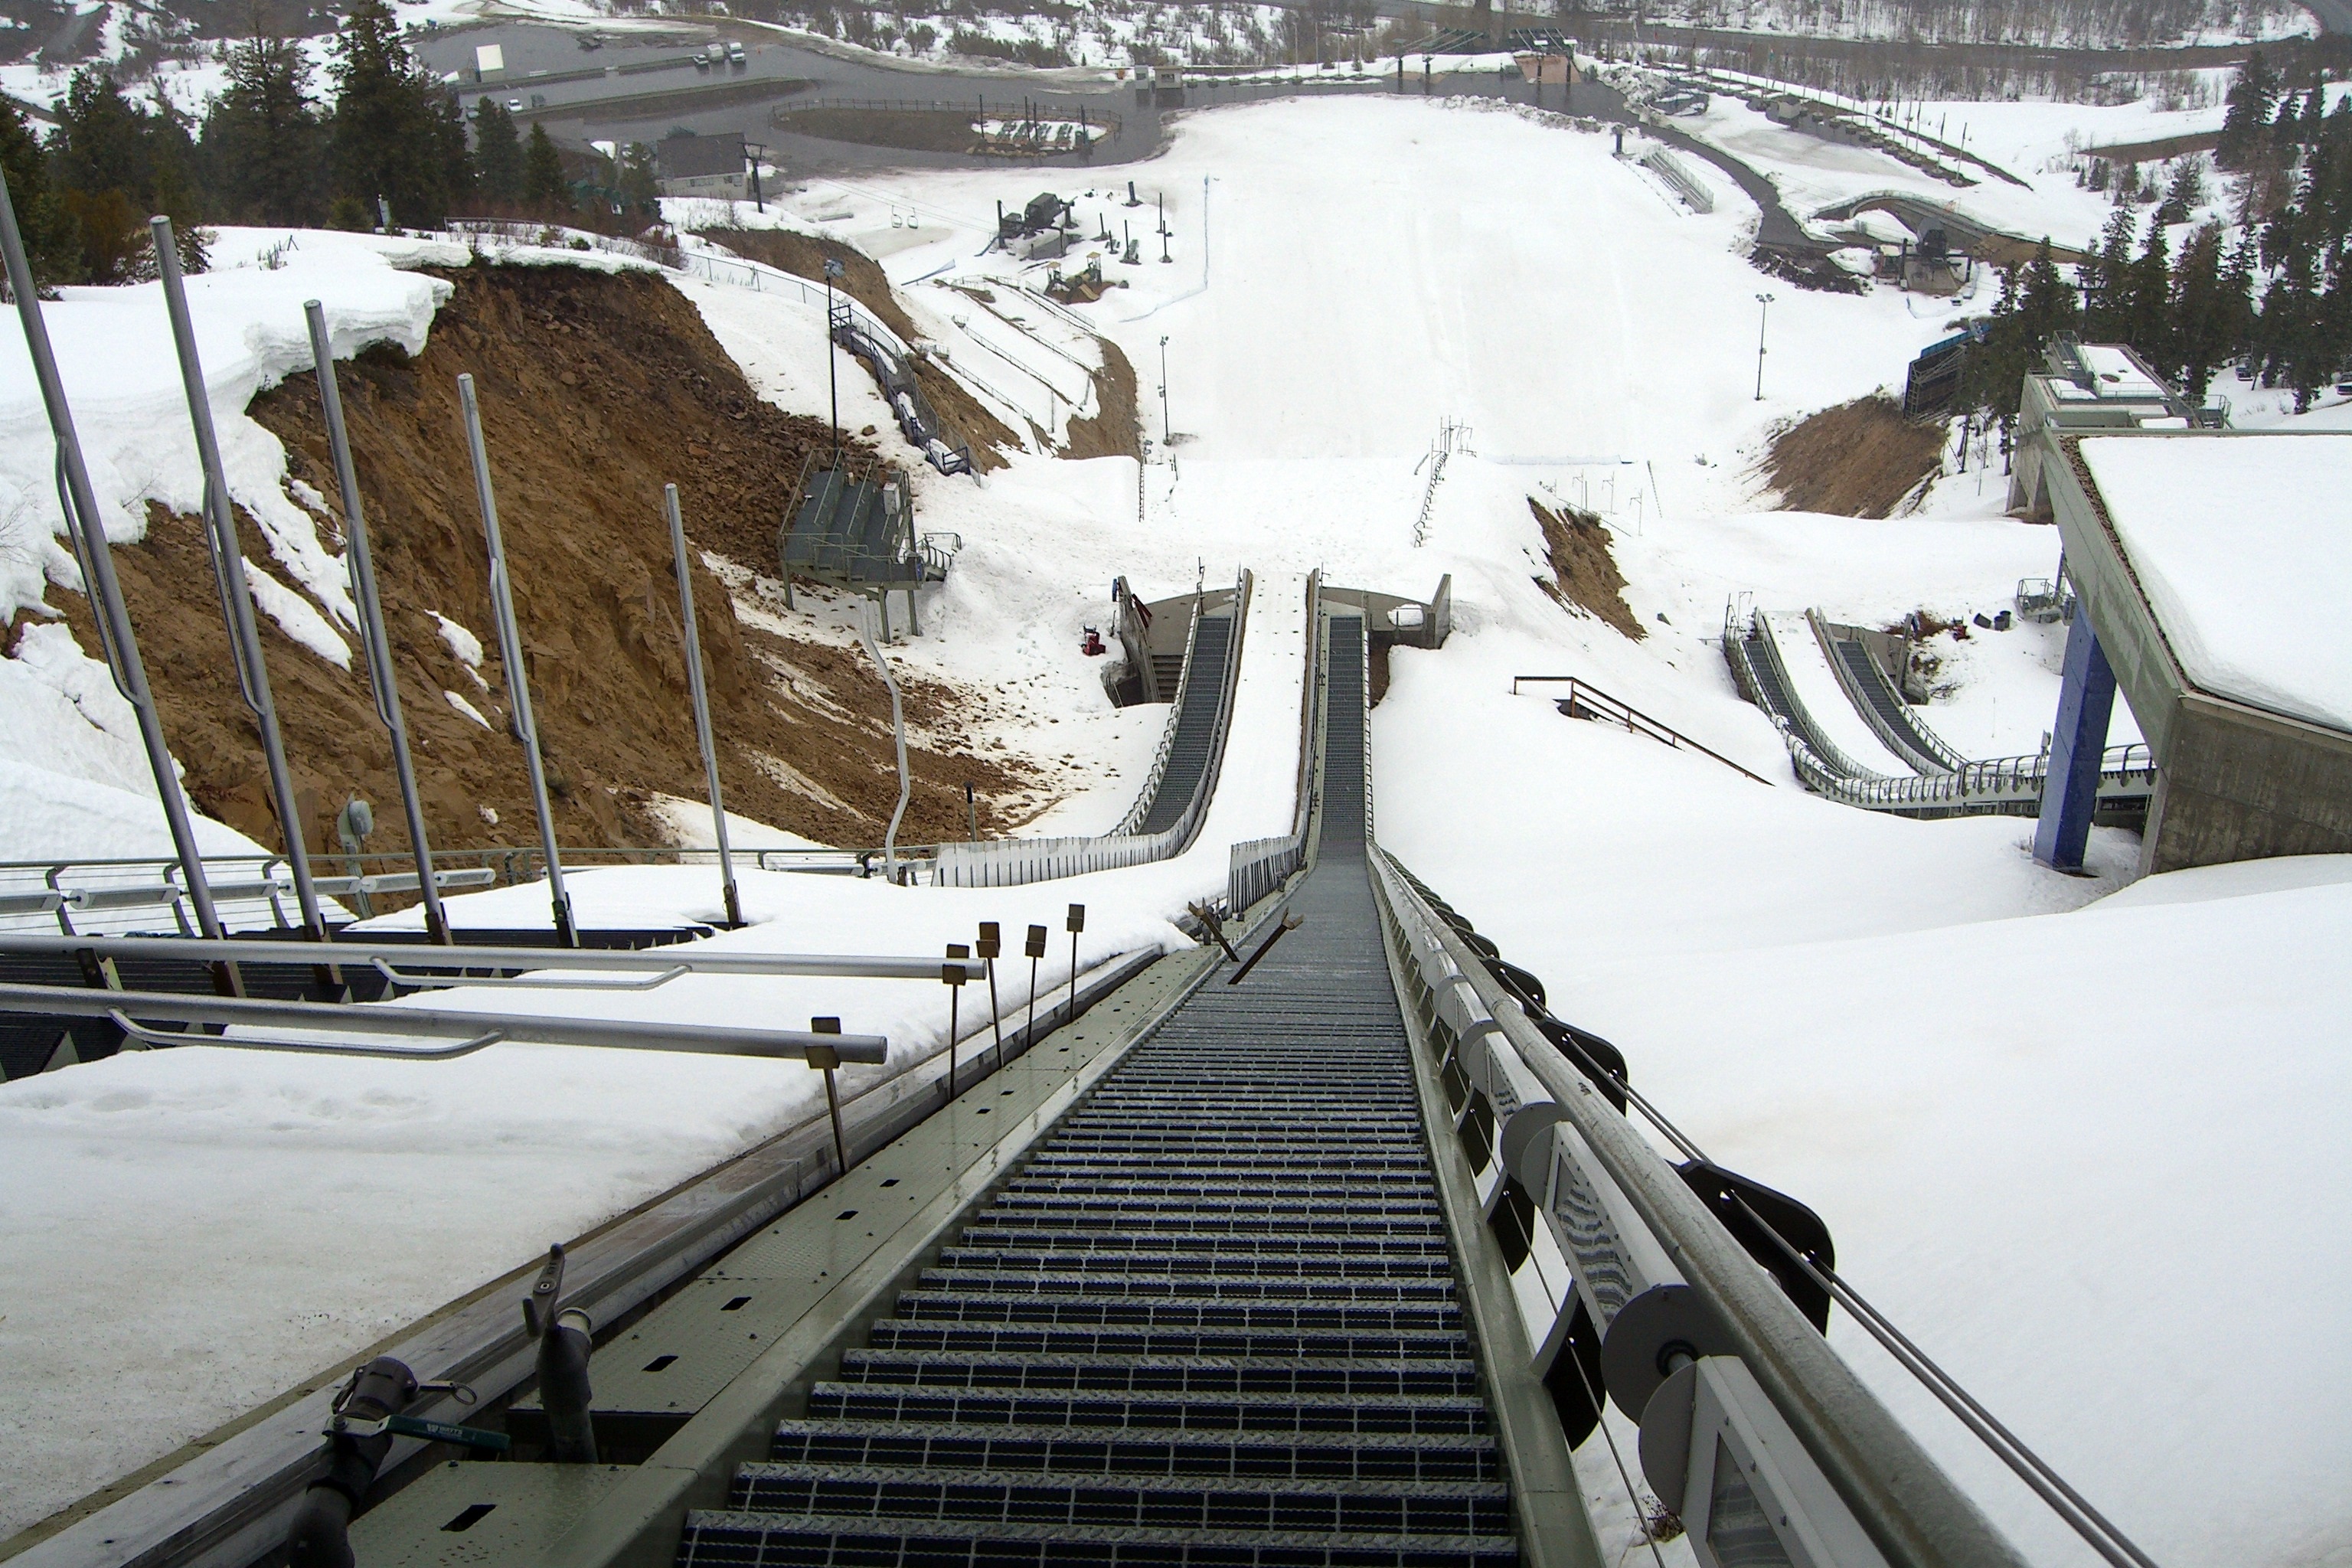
<point x="854" y="532"/>
<point x="1900" y="729"/>
<point x="1212" y="1320"/>
<point x="1196" y="727"/>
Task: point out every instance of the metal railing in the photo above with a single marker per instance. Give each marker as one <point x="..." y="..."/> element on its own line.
<point x="1697" y="1343"/>
<point x="1670" y="169"/>
<point x="469" y="1031"/>
<point x="1901" y="731"/>
<point x="1141" y="808"/>
<point x="1258" y="865"/>
<point x="1585" y="700"/>
<point x="436" y="967"/>
<point x="2005" y="785"/>
<point x="1012" y="862"/>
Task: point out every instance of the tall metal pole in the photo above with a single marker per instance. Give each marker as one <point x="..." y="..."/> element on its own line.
<point x="1762" y="315"/>
<point x="382" y="678"/>
<point x="525" y="729"/>
<point x="702" y="700"/>
<point x="87" y="535"/>
<point x="228" y="570"/>
<point x="1167" y="433"/>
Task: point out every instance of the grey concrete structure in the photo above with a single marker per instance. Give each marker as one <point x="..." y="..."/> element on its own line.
<point x="2235" y="780"/>
<point x="2088" y="387"/>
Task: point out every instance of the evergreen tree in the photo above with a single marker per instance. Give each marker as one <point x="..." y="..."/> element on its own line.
<point x="52" y="242"/>
<point x="640" y="195"/>
<point x="544" y="184"/>
<point x="2107" y="281"/>
<point x="2048" y="303"/>
<point x="445" y="123"/>
<point x="2237" y="304"/>
<point x="2149" y="327"/>
<point x="2186" y="190"/>
<point x="263" y="143"/>
<point x="2203" y="323"/>
<point x="115" y="164"/>
<point x="391" y="124"/>
<point x="2249" y="112"/>
<point x="498" y="153"/>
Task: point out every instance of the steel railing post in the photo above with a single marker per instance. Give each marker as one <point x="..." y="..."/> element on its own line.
<point x="228" y="568"/>
<point x="520" y="720"/>
<point x="373" y="640"/>
<point x="898" y="730"/>
<point x="702" y="704"/>
<point x="86" y="533"/>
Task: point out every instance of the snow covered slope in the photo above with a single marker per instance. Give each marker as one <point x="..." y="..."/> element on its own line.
<point x="1986" y="1088"/>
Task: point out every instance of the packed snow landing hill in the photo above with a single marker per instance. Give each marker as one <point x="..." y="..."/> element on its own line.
<point x="1985" y="1076"/>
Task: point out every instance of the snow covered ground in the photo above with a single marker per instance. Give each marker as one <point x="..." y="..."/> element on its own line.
<point x="1985" y="1087"/>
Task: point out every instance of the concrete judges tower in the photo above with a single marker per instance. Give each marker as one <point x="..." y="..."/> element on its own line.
<point x="2209" y="566"/>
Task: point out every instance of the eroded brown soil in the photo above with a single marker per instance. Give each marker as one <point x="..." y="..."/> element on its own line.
<point x="596" y="389"/>
<point x="1858" y="459"/>
<point x="1584" y="576"/>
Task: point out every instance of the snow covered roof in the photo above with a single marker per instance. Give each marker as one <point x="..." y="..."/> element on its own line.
<point x="692" y="156"/>
<point x="2242" y="544"/>
<point x="2119" y="373"/>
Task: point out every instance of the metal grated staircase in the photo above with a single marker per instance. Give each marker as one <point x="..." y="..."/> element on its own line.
<point x="1196" y="727"/>
<point x="1212" y="1320"/>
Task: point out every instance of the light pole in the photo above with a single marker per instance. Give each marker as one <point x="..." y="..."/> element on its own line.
<point x="832" y="360"/>
<point x="1762" y="315"/>
<point x="1166" y="438"/>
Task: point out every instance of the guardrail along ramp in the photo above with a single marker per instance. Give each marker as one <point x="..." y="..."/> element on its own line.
<point x="1212" y="1320"/>
<point x="1196" y="727"/>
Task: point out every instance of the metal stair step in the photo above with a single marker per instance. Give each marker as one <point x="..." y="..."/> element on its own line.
<point x="819" y="1540"/>
<point x="1126" y="1501"/>
<point x="1112" y="1450"/>
<point x="1159" y="1375"/>
<point x="963" y="1307"/>
<point x="1437" y="1414"/>
<point x="1115" y="1339"/>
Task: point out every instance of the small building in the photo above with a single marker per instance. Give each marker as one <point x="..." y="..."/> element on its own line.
<point x="713" y="166"/>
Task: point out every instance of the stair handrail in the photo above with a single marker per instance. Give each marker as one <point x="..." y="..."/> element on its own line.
<point x="1633" y="718"/>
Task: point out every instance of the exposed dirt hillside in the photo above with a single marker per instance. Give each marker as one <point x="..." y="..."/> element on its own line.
<point x="1115" y="431"/>
<point x="596" y="389"/>
<point x="1857" y="459"/>
<point x="1584" y="576"/>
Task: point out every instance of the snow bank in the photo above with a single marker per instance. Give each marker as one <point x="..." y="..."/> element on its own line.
<point x="114" y="351"/>
<point x="2016" y="1131"/>
<point x="2243" y="546"/>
